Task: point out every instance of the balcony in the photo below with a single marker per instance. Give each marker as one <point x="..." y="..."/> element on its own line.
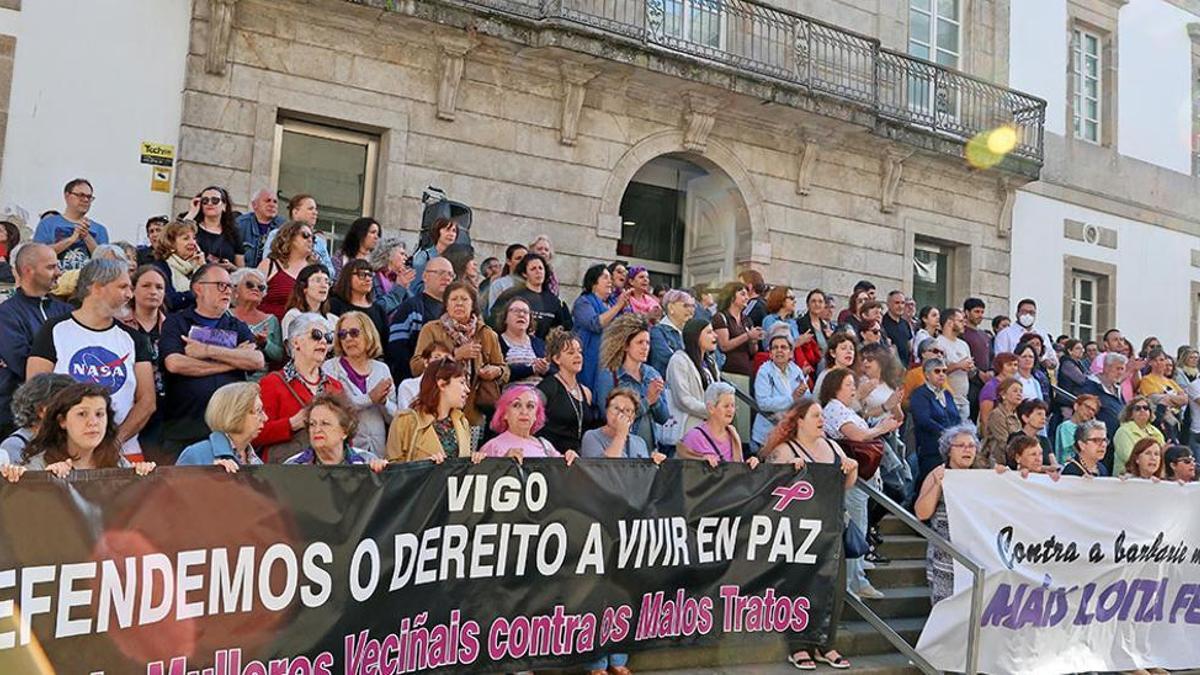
<point x="799" y="60"/>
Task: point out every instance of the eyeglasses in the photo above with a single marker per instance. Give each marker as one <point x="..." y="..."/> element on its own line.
<point x="1185" y="460"/>
<point x="348" y="333"/>
<point x="440" y="273"/>
<point x="621" y="409"/>
<point x="872" y="330"/>
<point x="964" y="446"/>
<point x="1141" y="408"/>
<point x="211" y="201"/>
<point x="318" y="334"/>
<point x="519" y="312"/>
<point x="363" y="274"/>
<point x="251" y="286"/>
<point x="1103" y="440"/>
<point x="222" y="286"/>
<point x="85" y="196"/>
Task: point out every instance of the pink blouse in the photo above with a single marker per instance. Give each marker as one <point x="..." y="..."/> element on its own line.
<point x="530" y="447"/>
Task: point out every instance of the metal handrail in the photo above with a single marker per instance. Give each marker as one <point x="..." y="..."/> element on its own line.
<point x="944" y="544"/>
<point x="768" y="42"/>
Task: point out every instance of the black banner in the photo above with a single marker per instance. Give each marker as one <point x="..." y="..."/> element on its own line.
<point x="302" y="570"/>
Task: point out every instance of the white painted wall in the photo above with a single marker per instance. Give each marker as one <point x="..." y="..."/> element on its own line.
<point x="1155" y="91"/>
<point x="1153" y="264"/>
<point x="1038" y="55"/>
<point x="1154" y="104"/>
<point x="92" y="80"/>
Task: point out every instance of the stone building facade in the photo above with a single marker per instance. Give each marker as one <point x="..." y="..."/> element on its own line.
<point x="797" y="147"/>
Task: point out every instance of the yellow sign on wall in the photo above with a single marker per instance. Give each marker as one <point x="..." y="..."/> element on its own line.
<point x="158" y="154"/>
<point x="160" y="179"/>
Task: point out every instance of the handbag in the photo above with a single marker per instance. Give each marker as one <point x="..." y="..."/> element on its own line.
<point x="854" y="541"/>
<point x="868" y="454"/>
<point x="670" y="432"/>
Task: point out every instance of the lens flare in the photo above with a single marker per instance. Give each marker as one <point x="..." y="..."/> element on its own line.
<point x="987" y="149"/>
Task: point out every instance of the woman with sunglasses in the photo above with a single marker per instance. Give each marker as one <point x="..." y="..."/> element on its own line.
<point x="249" y="288"/>
<point x="291" y="251"/>
<point x="310" y="293"/>
<point x="366" y="380"/>
<point x="1136" y="424"/>
<point x="354" y="291"/>
<point x="285" y="392"/>
<point x="218" y="234"/>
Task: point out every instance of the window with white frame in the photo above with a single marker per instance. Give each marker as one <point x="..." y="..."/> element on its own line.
<point x="1085" y="290"/>
<point x="1087" y="84"/>
<point x="934" y="34"/>
<point x="934" y="31"/>
<point x="698" y="21"/>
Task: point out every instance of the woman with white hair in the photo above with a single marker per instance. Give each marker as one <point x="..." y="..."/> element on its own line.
<point x="249" y="289"/>
<point x="666" y="336"/>
<point x="235" y="415"/>
<point x="716" y="441"/>
<point x="958" y="446"/>
<point x="285" y="392"/>
<point x="393" y="274"/>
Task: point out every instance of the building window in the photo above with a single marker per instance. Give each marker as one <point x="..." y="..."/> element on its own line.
<point x="931" y="274"/>
<point x="652" y="231"/>
<point x="934" y="30"/>
<point x="1084" y="297"/>
<point x="701" y="22"/>
<point x="1087" y="84"/>
<point x="934" y="34"/>
<point x="336" y="166"/>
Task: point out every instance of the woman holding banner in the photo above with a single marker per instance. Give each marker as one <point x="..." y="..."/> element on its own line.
<point x="715" y="440"/>
<point x="799" y="439"/>
<point x="1145" y="461"/>
<point x="332" y="421"/>
<point x="958" y="446"/>
<point x="436" y="427"/>
<point x="78" y="433"/>
<point x="235" y="416"/>
<point x="520" y="413"/>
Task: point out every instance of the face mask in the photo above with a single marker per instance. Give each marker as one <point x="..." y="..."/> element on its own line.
<point x="1026" y="320"/>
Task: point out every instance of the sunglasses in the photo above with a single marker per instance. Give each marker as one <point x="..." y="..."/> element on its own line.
<point x="1141" y="408"/>
<point x="251" y="286"/>
<point x="318" y="334"/>
<point x="348" y="333"/>
<point x="211" y="201"/>
<point x="939" y="371"/>
<point x="306" y="235"/>
<point x="872" y="330"/>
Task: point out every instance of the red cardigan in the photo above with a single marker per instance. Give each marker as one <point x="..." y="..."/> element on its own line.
<point x="279" y="405"/>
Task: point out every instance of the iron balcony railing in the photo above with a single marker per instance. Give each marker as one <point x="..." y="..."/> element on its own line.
<point x="769" y="42"/>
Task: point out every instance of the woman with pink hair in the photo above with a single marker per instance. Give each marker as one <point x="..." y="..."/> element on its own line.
<point x="520" y="412"/>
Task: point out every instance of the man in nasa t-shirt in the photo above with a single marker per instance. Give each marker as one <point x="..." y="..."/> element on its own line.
<point x="91" y="346"/>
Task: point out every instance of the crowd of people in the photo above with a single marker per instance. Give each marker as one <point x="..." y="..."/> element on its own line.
<point x="237" y="339"/>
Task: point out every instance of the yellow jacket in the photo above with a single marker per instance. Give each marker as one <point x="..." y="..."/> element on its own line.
<point x="412" y="436"/>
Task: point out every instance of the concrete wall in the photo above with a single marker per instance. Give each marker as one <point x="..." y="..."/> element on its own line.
<point x="91" y="81"/>
<point x="1154" y="268"/>
<point x="502" y="154"/>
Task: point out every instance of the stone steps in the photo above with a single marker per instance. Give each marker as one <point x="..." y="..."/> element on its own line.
<point x="898" y="573"/>
<point x="903" y="547"/>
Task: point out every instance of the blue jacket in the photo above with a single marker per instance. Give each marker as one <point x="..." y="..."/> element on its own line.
<point x="931" y="419"/>
<point x="586" y="315"/>
<point x="207" y="452"/>
<point x="252" y="241"/>
<point x="607" y="380"/>
<point x="21" y="317"/>
<point x="665" y="340"/>
<point x="1110" y="408"/>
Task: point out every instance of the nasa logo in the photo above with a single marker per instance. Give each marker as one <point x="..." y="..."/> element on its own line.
<point x="97" y="365"/>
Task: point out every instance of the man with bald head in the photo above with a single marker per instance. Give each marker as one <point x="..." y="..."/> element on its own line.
<point x="22" y="316"/>
<point x="256" y="223"/>
<point x="417" y="311"/>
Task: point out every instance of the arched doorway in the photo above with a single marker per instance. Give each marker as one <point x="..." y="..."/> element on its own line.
<point x="685" y="220"/>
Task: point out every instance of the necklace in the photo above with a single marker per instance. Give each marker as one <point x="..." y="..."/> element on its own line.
<point x="576" y="404"/>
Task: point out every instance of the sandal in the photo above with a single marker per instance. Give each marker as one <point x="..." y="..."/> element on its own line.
<point x="832" y="658"/>
<point x="802" y="660"/>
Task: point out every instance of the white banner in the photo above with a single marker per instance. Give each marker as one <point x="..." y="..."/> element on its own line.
<point x="1080" y="575"/>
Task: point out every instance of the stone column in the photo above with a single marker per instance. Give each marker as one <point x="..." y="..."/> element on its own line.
<point x="220" y="28"/>
<point x="451" y="64"/>
<point x="575" y="77"/>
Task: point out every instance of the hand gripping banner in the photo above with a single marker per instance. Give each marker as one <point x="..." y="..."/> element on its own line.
<point x="302" y="570"/>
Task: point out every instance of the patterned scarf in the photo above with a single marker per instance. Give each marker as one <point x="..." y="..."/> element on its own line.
<point x="459" y="332"/>
<point x="290" y="373"/>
